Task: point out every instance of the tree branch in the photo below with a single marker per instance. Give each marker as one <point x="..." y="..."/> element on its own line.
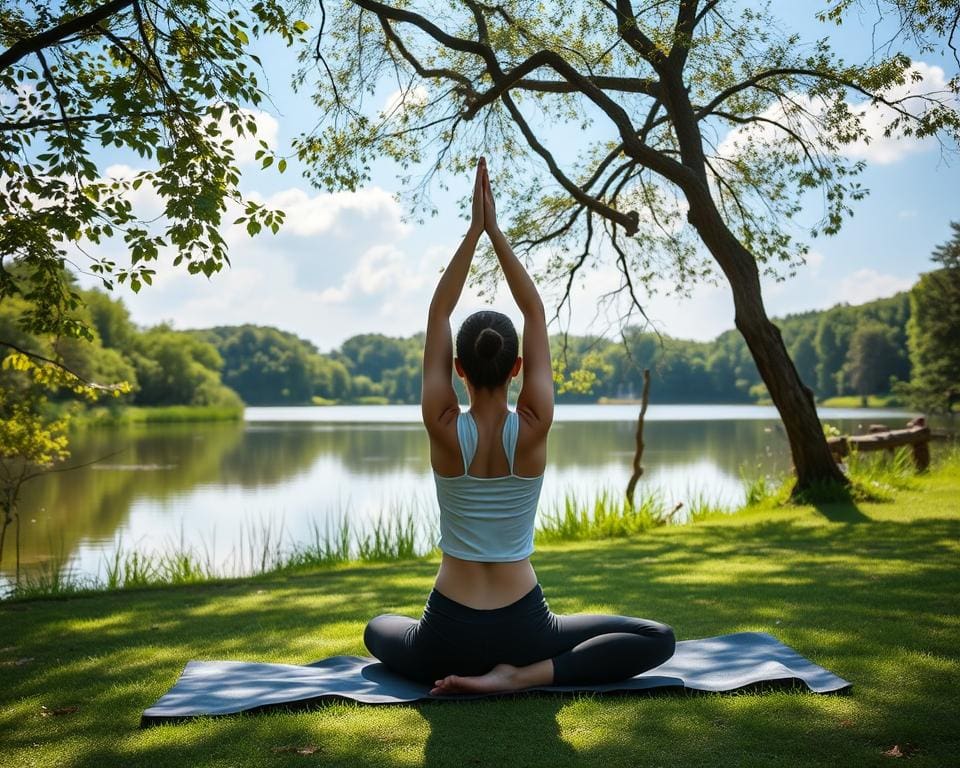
<point x="628" y="221"/>
<point x="53" y="36"/>
<point x="54" y="122"/>
<point x="607" y="83"/>
<point x="61" y="366"/>
<point x="409" y="17"/>
<point x="423" y="71"/>
<point x="629" y="30"/>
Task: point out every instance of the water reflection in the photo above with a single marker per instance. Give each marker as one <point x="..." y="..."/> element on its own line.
<point x="209" y="485"/>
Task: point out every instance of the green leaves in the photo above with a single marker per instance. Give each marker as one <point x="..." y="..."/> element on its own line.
<point x="173" y="87"/>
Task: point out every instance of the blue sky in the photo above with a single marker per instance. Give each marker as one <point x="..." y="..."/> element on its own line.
<point x="347" y="263"/>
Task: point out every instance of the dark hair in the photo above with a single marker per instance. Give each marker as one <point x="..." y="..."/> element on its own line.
<point x="487" y="346"/>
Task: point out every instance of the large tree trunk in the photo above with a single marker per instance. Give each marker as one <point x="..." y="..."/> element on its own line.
<point x="812" y="459"/>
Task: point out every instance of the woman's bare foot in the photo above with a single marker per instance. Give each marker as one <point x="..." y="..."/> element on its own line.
<point x="501" y="679"/>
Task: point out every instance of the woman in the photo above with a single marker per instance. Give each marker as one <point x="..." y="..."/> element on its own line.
<point x="486" y="626"/>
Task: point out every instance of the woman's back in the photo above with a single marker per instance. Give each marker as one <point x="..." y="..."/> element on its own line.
<point x="487" y="358"/>
<point x="487" y="511"/>
<point x="487" y="519"/>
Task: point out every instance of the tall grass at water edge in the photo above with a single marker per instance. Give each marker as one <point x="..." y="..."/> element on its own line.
<point x="399" y="533"/>
<point x="263" y="548"/>
<point x="131" y="415"/>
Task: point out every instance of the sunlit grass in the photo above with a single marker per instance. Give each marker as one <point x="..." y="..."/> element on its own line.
<point x="866" y="589"/>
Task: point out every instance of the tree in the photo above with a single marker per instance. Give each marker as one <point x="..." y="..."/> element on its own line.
<point x="871" y="359"/>
<point x="30" y="442"/>
<point x="175" y="367"/>
<point x="32" y="439"/>
<point x="933" y="330"/>
<point x="659" y="87"/>
<point x="168" y="80"/>
<point x="370" y="354"/>
<point x="264" y="365"/>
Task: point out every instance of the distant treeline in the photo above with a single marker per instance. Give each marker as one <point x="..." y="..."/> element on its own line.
<point x="842" y="350"/>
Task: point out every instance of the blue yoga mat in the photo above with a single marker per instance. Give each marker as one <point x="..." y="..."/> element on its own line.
<point x="716" y="664"/>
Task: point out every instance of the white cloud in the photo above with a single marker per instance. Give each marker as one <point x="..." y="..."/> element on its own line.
<point x="874" y="146"/>
<point x="868" y="284"/>
<point x="245" y="147"/>
<point x="814" y="260"/>
<point x="384" y="271"/>
<point x="400" y="99"/>
<point x="308" y="215"/>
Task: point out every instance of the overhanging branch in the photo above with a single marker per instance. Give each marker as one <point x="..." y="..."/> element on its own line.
<point x="56" y="35"/>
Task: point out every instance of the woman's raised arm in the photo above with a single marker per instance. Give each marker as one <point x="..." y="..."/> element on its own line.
<point x="438" y="399"/>
<point x="535" y="401"/>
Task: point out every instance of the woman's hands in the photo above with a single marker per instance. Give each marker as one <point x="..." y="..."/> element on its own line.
<point x="489" y="206"/>
<point x="477" y="220"/>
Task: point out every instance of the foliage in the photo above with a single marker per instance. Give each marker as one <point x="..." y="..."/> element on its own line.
<point x="934" y="328"/>
<point x="176" y="368"/>
<point x="169" y="81"/>
<point x="32" y="439"/>
<point x="268" y="366"/>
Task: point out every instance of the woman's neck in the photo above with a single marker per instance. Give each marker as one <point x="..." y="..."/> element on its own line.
<point x="488" y="402"/>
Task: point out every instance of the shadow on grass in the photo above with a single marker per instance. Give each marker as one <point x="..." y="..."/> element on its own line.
<point x="465" y="734"/>
<point x="839" y="594"/>
<point x="836" y="502"/>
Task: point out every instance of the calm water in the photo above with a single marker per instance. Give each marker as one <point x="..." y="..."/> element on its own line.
<point x="213" y="486"/>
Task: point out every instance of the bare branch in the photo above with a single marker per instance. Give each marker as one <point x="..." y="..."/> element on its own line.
<point x="608" y="83"/>
<point x="628" y="221"/>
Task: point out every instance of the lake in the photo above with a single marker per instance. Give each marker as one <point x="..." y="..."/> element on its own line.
<point x="286" y="472"/>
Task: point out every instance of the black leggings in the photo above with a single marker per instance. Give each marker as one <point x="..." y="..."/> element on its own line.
<point x="453" y="639"/>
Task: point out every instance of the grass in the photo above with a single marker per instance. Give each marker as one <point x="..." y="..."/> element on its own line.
<point x="868" y="589"/>
<point x="127" y="415"/>
<point x="263" y="550"/>
<point x="856" y="401"/>
<point x="607" y="515"/>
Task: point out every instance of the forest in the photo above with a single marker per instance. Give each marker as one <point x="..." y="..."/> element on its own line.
<point x="845" y="350"/>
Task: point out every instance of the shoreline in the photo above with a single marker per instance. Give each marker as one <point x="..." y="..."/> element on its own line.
<point x="395" y="537"/>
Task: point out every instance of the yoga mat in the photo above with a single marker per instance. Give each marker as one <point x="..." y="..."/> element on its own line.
<point x="723" y="663"/>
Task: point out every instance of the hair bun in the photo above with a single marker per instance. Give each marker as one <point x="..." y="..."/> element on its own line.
<point x="489" y="343"/>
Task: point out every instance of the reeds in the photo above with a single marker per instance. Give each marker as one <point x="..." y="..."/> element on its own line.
<point x="404" y="532"/>
<point x="606" y="515"/>
<point x="397" y="534"/>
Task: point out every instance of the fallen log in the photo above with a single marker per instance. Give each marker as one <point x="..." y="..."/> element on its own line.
<point x="916" y="434"/>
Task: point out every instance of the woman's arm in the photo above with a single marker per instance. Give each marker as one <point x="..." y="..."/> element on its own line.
<point x="536" y="396"/>
<point x="438" y="399"/>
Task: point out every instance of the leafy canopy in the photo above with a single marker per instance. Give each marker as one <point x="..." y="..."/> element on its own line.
<point x="659" y="93"/>
<point x="170" y="82"/>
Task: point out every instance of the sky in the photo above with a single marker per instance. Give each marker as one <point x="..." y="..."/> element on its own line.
<point x="349" y="263"/>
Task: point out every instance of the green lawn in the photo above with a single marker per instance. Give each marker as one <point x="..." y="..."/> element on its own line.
<point x="856" y="401"/>
<point x="869" y="591"/>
